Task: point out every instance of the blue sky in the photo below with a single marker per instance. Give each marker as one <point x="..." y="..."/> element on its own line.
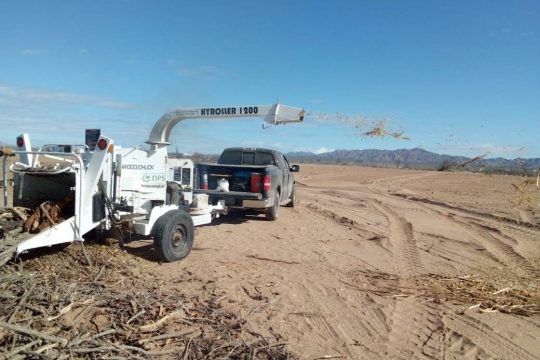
<point x="459" y="77"/>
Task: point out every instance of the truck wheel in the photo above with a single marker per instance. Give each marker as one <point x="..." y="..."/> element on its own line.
<point x="173" y="235"/>
<point x="292" y="198"/>
<point x="273" y="212"/>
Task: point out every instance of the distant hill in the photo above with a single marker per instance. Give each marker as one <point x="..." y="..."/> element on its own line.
<point x="413" y="158"/>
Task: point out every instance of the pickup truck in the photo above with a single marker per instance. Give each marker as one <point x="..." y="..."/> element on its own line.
<point x="249" y="179"/>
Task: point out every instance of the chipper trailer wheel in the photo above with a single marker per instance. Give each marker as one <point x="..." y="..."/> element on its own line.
<point x="173" y="235"/>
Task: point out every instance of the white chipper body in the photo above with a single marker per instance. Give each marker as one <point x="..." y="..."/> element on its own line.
<point x="108" y="184"/>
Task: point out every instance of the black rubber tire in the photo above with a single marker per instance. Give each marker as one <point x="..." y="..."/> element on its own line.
<point x="173" y="235"/>
<point x="292" y="198"/>
<point x="272" y="213"/>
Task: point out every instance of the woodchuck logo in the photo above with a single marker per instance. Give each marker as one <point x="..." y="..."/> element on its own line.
<point x="137" y="167"/>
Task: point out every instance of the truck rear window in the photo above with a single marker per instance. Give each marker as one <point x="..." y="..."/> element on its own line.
<point x="238" y="157"/>
<point x="231" y="158"/>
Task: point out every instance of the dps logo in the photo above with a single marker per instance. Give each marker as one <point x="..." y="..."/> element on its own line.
<point x="153" y="177"/>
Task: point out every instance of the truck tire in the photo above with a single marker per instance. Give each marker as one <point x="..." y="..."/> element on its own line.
<point x="292" y="198"/>
<point x="272" y="213"/>
<point x="173" y="235"/>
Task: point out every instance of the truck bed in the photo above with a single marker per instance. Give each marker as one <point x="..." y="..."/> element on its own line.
<point x="238" y="177"/>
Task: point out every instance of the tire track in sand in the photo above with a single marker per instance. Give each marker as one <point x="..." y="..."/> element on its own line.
<point x="495" y="218"/>
<point x="416" y="328"/>
<point x="493" y="240"/>
<point x="419" y="330"/>
<point x="480" y="334"/>
<point x="483" y="336"/>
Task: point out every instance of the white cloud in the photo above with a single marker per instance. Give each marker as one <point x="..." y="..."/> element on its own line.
<point x="29" y="52"/>
<point x="202" y="71"/>
<point x="319" y="150"/>
<point x="27" y="97"/>
<point x="57" y="116"/>
<point x="322" y="150"/>
<point x="206" y="72"/>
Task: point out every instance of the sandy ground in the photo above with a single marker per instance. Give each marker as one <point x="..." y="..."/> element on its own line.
<point x="379" y="263"/>
<point x="376" y="263"/>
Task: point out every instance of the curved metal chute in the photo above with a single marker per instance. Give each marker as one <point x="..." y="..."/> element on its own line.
<point x="273" y="114"/>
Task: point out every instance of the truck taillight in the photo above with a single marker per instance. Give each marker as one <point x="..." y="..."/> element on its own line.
<point x="20" y="141"/>
<point x="256" y="182"/>
<point x="267" y="182"/>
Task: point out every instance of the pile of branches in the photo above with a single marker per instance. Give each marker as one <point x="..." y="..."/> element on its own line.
<point x="47" y="214"/>
<point x="58" y="306"/>
<point x="11" y="222"/>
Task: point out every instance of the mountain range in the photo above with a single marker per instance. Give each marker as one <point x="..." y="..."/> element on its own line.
<point x="414" y="158"/>
<point x="402" y="158"/>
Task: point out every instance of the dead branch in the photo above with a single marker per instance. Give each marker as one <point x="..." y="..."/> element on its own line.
<point x="117" y="348"/>
<point x="15" y="351"/>
<point x="45" y="211"/>
<point x="135" y="316"/>
<point x="272" y="260"/>
<point x="32" y="333"/>
<point x="21" y="302"/>
<point x="20" y="212"/>
<point x="154" y="326"/>
<point x="167" y="336"/>
<point x="262" y="306"/>
<point x="467" y="162"/>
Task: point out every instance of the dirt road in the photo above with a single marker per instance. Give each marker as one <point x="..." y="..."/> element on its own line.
<point x="380" y="263"/>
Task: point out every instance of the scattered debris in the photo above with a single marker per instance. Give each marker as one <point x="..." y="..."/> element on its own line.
<point x="527" y="196"/>
<point x="448" y="165"/>
<point x="463" y="290"/>
<point x="111" y="309"/>
<point x="379" y="129"/>
<point x="467" y="162"/>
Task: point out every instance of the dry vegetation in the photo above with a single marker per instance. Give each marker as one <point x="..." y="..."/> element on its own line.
<point x="55" y="305"/>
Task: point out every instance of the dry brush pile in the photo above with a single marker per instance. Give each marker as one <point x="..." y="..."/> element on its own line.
<point x="57" y="306"/>
<point x="471" y="291"/>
